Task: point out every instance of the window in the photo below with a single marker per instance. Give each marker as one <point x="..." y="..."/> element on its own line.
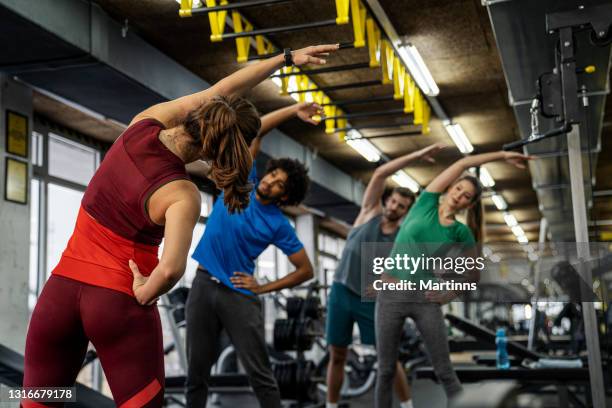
<point x="34" y="243"/>
<point x="330" y="251"/>
<point x="63" y="207"/>
<point x="71" y="160"/>
<point x="192" y="264"/>
<point x="266" y="265"/>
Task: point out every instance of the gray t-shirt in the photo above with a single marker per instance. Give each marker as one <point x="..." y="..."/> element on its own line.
<point x="348" y="272"/>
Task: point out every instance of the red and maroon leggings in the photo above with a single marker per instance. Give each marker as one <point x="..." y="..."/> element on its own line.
<point x="127" y="337"/>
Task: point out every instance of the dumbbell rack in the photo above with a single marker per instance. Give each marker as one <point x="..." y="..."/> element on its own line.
<point x="297" y="333"/>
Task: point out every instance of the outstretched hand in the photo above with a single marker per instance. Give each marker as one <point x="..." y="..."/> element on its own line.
<point x="306" y="111"/>
<point x="517" y="159"/>
<point x="313" y="54"/>
<point x="428" y="152"/>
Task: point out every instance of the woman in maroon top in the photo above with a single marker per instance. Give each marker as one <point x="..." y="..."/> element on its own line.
<point x="107" y="281"/>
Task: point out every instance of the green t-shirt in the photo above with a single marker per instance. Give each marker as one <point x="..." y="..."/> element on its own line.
<point x="421" y="231"/>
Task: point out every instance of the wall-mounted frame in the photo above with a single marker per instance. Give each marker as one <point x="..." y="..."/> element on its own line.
<point x="16" y="181"/>
<point x="17" y="140"/>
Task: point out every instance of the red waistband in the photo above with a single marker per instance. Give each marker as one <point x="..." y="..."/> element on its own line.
<point x="97" y="256"/>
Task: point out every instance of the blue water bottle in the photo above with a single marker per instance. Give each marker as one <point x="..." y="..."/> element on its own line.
<point x="503" y="363"/>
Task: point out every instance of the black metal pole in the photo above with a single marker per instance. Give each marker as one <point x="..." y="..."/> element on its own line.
<point x="338" y="87"/>
<point x="361" y="101"/>
<point x="275" y="30"/>
<point x="368" y="114"/>
<point x="345" y="45"/>
<point x="566" y="128"/>
<point x="264" y="56"/>
<point x="235" y="6"/>
<point x="374" y="126"/>
<point x="326" y="70"/>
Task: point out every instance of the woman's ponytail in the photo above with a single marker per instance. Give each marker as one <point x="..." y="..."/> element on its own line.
<point x="226" y="126"/>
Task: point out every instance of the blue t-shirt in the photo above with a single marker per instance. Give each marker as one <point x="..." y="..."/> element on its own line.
<point x="232" y="242"/>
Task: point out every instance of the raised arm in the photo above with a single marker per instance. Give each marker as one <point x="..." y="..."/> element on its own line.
<point x="303" y="110"/>
<point x="371" y="204"/>
<point x="180" y="219"/>
<point x="172" y="112"/>
<point x="451" y="173"/>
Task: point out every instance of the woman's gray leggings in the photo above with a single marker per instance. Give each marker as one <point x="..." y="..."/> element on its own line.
<point x="391" y="312"/>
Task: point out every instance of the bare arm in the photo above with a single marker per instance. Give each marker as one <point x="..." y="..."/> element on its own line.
<point x="451" y="173"/>
<point x="173" y="112"/>
<point x="371" y="205"/>
<point x="181" y="217"/>
<point x="303" y="272"/>
<point x="303" y="110"/>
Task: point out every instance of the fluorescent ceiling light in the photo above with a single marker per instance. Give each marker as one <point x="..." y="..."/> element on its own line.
<point x="419" y="71"/>
<point x="455" y="131"/>
<point x="276" y="79"/>
<point x="485" y="177"/>
<point x="292" y="86"/>
<point x="510" y="220"/>
<point x="404" y="180"/>
<point x="522" y="239"/>
<point x="363" y="146"/>
<point x="499" y="202"/>
<point x="495" y="258"/>
<point x="518" y="231"/>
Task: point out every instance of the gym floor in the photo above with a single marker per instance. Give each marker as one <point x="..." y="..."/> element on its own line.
<point x="426" y="394"/>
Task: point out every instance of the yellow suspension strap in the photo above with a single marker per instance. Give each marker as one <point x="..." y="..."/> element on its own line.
<point x="303" y="84"/>
<point x="386" y="56"/>
<point x="409" y="91"/>
<point x="329" y="111"/>
<point x="373" y="34"/>
<point x="186" y="6"/>
<point x="418" y="108"/>
<point x="398" y="78"/>
<point x="242" y="43"/>
<point x="358" y="13"/>
<point x="319" y="97"/>
<point x="426" y="116"/>
<point x="217" y="20"/>
<point x="341" y="125"/>
<point x="264" y="46"/>
<point x="284" y="88"/>
<point x="342" y="11"/>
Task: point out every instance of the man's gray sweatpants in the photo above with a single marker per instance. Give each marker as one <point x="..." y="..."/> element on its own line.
<point x="211" y="307"/>
<point x="392" y="309"/>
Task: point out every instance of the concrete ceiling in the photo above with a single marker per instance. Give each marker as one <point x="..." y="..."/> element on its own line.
<point x="456" y="41"/>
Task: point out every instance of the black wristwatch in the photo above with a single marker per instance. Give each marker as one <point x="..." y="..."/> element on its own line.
<point x="288" y="57"/>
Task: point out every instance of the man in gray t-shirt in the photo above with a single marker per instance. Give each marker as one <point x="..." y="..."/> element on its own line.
<point x="375" y="223"/>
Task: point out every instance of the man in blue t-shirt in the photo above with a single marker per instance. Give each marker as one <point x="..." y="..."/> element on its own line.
<point x="224" y="292"/>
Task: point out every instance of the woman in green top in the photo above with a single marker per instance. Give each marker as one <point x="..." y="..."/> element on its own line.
<point x="430" y="222"/>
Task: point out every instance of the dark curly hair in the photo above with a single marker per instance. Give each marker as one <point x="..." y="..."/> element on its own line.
<point x="297" y="179"/>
